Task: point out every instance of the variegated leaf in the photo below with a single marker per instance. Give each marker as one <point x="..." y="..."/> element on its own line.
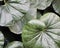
<point x="42" y="33"/>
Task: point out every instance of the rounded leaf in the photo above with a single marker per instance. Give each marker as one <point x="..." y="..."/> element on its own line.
<point x="56" y="6"/>
<point x="34" y="36"/>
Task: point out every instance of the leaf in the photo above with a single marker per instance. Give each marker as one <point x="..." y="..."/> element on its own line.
<point x="1" y="40"/>
<point x="41" y="4"/>
<point x="56" y="6"/>
<point x="14" y="44"/>
<point x="18" y="25"/>
<point x="15" y="14"/>
<point x="13" y="10"/>
<point x="42" y="33"/>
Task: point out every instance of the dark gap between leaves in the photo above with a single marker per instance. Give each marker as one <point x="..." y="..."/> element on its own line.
<point x="9" y="36"/>
<point x="2" y="3"/>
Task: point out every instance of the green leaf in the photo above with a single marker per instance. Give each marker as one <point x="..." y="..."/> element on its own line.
<point x="1" y="40"/>
<point x="14" y="44"/>
<point x="56" y="6"/>
<point x="42" y="33"/>
<point x="13" y="10"/>
<point x="41" y="4"/>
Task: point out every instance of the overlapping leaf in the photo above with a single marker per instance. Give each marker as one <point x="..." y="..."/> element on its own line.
<point x="15" y="44"/>
<point x="12" y="11"/>
<point x="17" y="27"/>
<point x="41" y="4"/>
<point x="42" y="33"/>
<point x="15" y="13"/>
<point x="56" y="6"/>
<point x="1" y="40"/>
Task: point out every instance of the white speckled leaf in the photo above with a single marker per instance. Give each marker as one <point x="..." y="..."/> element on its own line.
<point x="12" y="11"/>
<point x="15" y="44"/>
<point x="56" y="6"/>
<point x="42" y="33"/>
<point x="1" y="40"/>
<point x="41" y="4"/>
